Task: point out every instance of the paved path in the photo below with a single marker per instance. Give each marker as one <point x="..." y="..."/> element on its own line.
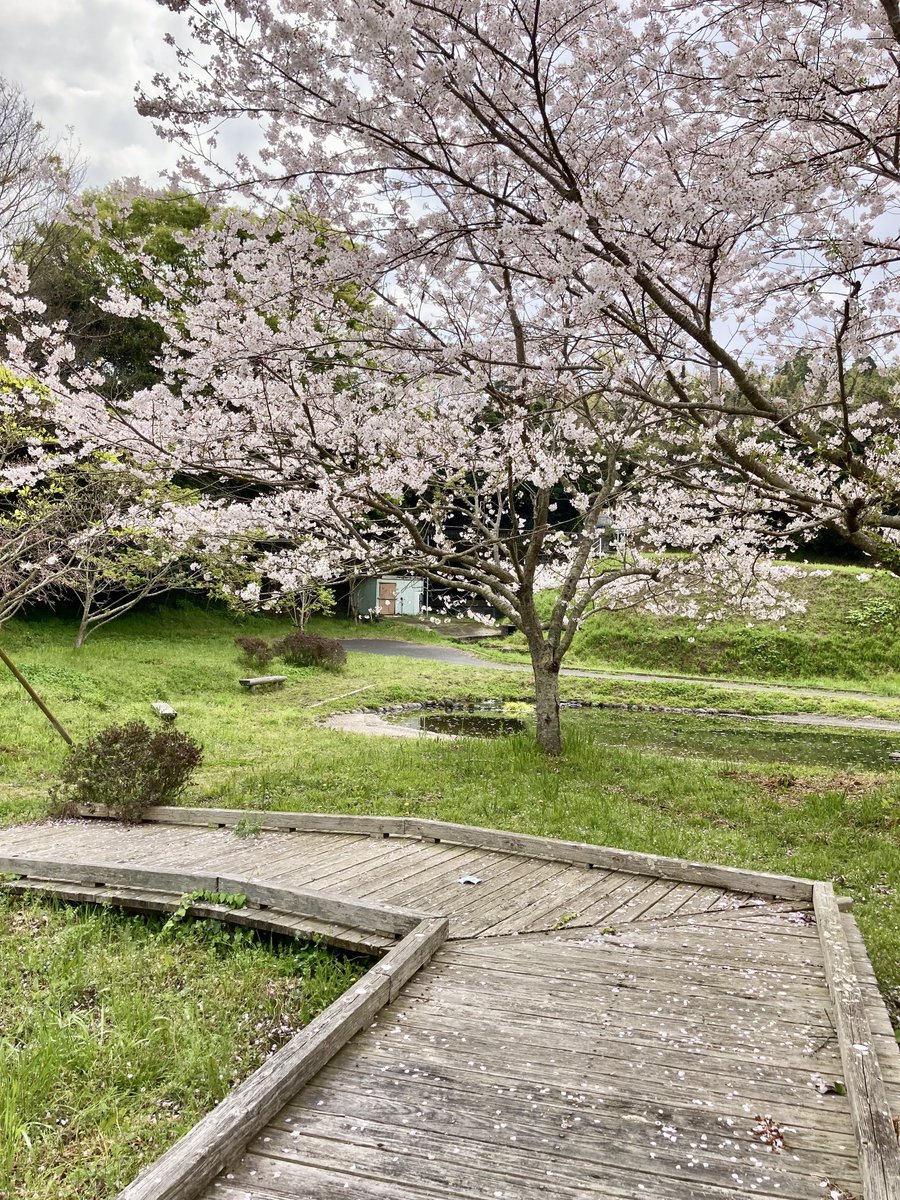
<point x="448" y="654"/>
<point x="598" y="1024"/>
<point x="393" y="648"/>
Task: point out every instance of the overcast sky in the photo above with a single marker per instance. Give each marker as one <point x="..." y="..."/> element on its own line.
<point x="78" y="61"/>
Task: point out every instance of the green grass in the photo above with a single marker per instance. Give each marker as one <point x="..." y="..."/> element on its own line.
<point x="114" y="1039"/>
<point x="819" y="803"/>
<point x="848" y="637"/>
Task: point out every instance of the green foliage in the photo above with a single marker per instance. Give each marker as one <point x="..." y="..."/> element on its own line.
<point x="127" y="768"/>
<point x="875" y="616"/>
<point x="310" y="650"/>
<point x="247" y="828"/>
<point x="72" y="269"/>
<point x="850" y="634"/>
<point x="304" y="602"/>
<point x="234" y="900"/>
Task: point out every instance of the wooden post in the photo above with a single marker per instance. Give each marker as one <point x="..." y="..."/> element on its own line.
<point x="35" y="697"/>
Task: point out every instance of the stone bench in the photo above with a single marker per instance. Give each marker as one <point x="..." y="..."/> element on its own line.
<point x="164" y="711"/>
<point x="263" y="681"/>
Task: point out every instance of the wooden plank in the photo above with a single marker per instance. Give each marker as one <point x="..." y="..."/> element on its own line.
<point x="605" y="909"/>
<point x="340" y="936"/>
<point x="443" y="885"/>
<point x="879" y="1156"/>
<point x="300" y="902"/>
<point x="349" y="864"/>
<point x="505" y="1167"/>
<point x="602" y="895"/>
<point x="598" y="1133"/>
<point x="764" y="951"/>
<point x="106" y="874"/>
<point x="270" y="851"/>
<point x="798" y="925"/>
<point x="547" y="910"/>
<point x="540" y="890"/>
<point x="263" y="681"/>
<point x="634" y="862"/>
<point x="641" y="1044"/>
<point x="318" y="1182"/>
<point x="879" y="1020"/>
<point x="605" y="1070"/>
<point x="438" y="1171"/>
<point x="36" y="838"/>
<point x="631" y="1104"/>
<point x="500" y="891"/>
<point x="671" y="902"/>
<point x="206" y="1149"/>
<point x="623" y="969"/>
<point x="793" y="1047"/>
<point x="412" y="864"/>
<point x="607" y="1003"/>
<point x="324" y="906"/>
<point x="510" y="1099"/>
<point x="468" y="1063"/>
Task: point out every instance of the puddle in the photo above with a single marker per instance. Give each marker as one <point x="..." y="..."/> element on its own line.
<point x="479" y="724"/>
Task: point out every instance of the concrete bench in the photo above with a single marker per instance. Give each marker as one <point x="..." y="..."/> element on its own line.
<point x="164" y="711"/>
<point x="263" y="681"/>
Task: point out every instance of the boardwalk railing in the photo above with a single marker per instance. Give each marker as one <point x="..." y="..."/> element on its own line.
<point x="193" y="1162"/>
<point x="788" y="887"/>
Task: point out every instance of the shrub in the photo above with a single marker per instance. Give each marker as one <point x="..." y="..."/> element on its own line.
<point x="255" y="650"/>
<point x="307" y="650"/>
<point x="129" y="768"/>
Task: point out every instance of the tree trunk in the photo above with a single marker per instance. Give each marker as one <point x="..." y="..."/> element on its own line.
<point x="546" y="691"/>
<point x="84" y="623"/>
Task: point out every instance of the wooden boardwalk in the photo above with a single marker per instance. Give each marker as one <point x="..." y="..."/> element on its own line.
<point x="585" y="1023"/>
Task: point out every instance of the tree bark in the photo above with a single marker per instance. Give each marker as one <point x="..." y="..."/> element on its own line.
<point x="85" y="619"/>
<point x="546" y="707"/>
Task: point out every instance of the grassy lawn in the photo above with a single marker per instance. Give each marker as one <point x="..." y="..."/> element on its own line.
<point x="818" y="803"/>
<point x="115" y="1038"/>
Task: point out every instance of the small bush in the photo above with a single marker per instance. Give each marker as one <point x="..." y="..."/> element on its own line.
<point x="307" y="650"/>
<point x="256" y="651"/>
<point x="129" y="768"/>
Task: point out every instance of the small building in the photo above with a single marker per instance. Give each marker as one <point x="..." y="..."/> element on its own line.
<point x="389" y="596"/>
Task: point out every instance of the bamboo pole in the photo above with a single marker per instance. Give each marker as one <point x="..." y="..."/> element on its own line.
<point x="4" y="657"/>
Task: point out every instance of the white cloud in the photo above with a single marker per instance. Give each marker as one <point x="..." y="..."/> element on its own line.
<point x="79" y="61"/>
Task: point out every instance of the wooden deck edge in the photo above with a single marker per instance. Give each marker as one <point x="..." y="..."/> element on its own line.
<point x="206" y="1149"/>
<point x="879" y="1155"/>
<point x="265" y="920"/>
<point x="879" y="1017"/>
<point x="787" y="887"/>
<point x="300" y="902"/>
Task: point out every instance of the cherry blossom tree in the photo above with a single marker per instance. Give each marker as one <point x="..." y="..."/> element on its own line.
<point x="485" y="448"/>
<point x="585" y="240"/>
<point x="38" y="173"/>
<point x="117" y="555"/>
<point x="715" y="185"/>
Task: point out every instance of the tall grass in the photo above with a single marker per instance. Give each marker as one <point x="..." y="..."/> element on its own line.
<point x="114" y="1041"/>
